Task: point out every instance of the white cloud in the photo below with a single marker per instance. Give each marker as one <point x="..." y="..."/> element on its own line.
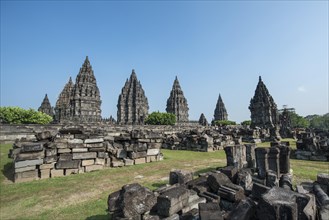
<point x="301" y="89"/>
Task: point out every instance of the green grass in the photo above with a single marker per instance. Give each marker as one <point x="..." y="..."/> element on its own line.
<point x="84" y="196"/>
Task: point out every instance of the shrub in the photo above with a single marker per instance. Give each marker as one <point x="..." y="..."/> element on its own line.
<point x="246" y="122"/>
<point x="159" y="118"/>
<point x="16" y="115"/>
<point x="223" y="123"/>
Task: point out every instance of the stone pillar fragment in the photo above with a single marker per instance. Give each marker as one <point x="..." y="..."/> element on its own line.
<point x="284" y="159"/>
<point x="261" y="161"/>
<point x="273" y="160"/>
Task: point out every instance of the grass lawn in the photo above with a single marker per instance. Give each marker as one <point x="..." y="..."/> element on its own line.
<point x="84" y="196"/>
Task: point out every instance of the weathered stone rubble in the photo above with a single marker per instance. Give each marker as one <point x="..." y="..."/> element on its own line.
<point x="177" y="103"/>
<point x="264" y="112"/>
<point x="256" y="184"/>
<point x="46" y="107"/>
<point x="132" y="103"/>
<point x="313" y="146"/>
<point x="75" y="150"/>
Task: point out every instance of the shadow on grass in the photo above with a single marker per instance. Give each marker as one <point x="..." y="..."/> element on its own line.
<point x="8" y="171"/>
<point x="98" y="217"/>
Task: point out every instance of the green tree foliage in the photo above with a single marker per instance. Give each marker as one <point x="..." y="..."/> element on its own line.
<point x="298" y="121"/>
<point x="16" y="115"/>
<point x="246" y="122"/>
<point x="159" y="118"/>
<point x="222" y="123"/>
<point x="320" y="122"/>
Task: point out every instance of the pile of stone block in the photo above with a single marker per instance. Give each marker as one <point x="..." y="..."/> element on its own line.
<point x="258" y="185"/>
<point x="313" y="146"/>
<point x="75" y="150"/>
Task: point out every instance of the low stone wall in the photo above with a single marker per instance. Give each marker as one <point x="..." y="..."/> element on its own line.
<point x="73" y="151"/>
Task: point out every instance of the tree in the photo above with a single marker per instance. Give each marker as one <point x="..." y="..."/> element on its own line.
<point x="320" y="122"/>
<point x="246" y="122"/>
<point x="17" y="115"/>
<point x="298" y="121"/>
<point x="224" y="122"/>
<point x="160" y="118"/>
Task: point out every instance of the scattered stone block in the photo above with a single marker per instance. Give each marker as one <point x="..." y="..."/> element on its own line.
<point x="68" y="164"/>
<point x="45" y="135"/>
<point x="128" y="162"/>
<point x="117" y="163"/>
<point x="44" y="173"/>
<point x="153" y="152"/>
<point x="26" y="176"/>
<point x="67" y="150"/>
<point x="46" y="166"/>
<point x="100" y="161"/>
<point x="88" y="162"/>
<point x="30" y="156"/>
<point x="180" y="176"/>
<point x="71" y="171"/>
<point x="56" y="173"/>
<point x="93" y="168"/>
<point x="24" y="169"/>
<point x="94" y="140"/>
<point x="140" y="161"/>
<point x="75" y="141"/>
<point x="209" y="211"/>
<point x="87" y="155"/>
<point x="172" y="201"/>
<point x="79" y="150"/>
<point x="31" y="147"/>
<point x="26" y="163"/>
<point x="245" y="210"/>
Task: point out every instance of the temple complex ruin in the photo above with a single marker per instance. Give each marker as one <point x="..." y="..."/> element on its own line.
<point x="81" y="101"/>
<point x="220" y="113"/>
<point x="132" y="103"/>
<point x="62" y="108"/>
<point x="177" y="103"/>
<point x="46" y="107"/>
<point x="202" y="120"/>
<point x="264" y="112"/>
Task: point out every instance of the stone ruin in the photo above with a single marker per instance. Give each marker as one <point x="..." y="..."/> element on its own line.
<point x="220" y="113"/>
<point x="313" y="146"/>
<point x="80" y="102"/>
<point x="177" y="103"/>
<point x="202" y="120"/>
<point x="46" y="107"/>
<point x="255" y="184"/>
<point x="75" y="150"/>
<point x="132" y="103"/>
<point x="264" y="112"/>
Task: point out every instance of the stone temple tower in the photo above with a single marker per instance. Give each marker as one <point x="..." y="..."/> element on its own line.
<point x="85" y="103"/>
<point x="177" y="103"/>
<point x="62" y="108"/>
<point x="132" y="103"/>
<point x="264" y="112"/>
<point x="220" y="113"/>
<point x="46" y="107"/>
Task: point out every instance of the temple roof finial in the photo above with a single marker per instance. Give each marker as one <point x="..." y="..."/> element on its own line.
<point x="260" y="78"/>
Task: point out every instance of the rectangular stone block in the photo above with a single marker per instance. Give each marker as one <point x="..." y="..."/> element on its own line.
<point x="46" y="166"/>
<point x="75" y="141"/>
<point x="135" y="155"/>
<point x="66" y="156"/>
<point x="97" y="149"/>
<point x="128" y="162"/>
<point x="30" y="156"/>
<point x="71" y="171"/>
<point x="61" y="145"/>
<point x="67" y="150"/>
<point x="50" y="159"/>
<point x="100" y="161"/>
<point x="102" y="154"/>
<point x="140" y="160"/>
<point x="79" y="150"/>
<point x="26" y="163"/>
<point x="156" y="145"/>
<point x="108" y="162"/>
<point x="31" y="147"/>
<point x="24" y="169"/>
<point x="51" y="152"/>
<point x="68" y="164"/>
<point x="94" y="140"/>
<point x="95" y="145"/>
<point x="87" y="155"/>
<point x="153" y="152"/>
<point x="117" y="163"/>
<point x="44" y="174"/>
<point x="56" y="173"/>
<point x="88" y="162"/>
<point x="210" y="211"/>
<point x="93" y="167"/>
<point x="26" y="176"/>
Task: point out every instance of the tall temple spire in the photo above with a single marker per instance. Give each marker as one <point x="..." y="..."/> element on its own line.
<point x="46" y="107"/>
<point x="264" y="113"/>
<point x="86" y="103"/>
<point x="220" y="113"/>
<point x="177" y="103"/>
<point x="62" y="108"/>
<point x="202" y="120"/>
<point x="132" y="102"/>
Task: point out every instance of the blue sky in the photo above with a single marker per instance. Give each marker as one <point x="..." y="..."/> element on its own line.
<point x="213" y="47"/>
